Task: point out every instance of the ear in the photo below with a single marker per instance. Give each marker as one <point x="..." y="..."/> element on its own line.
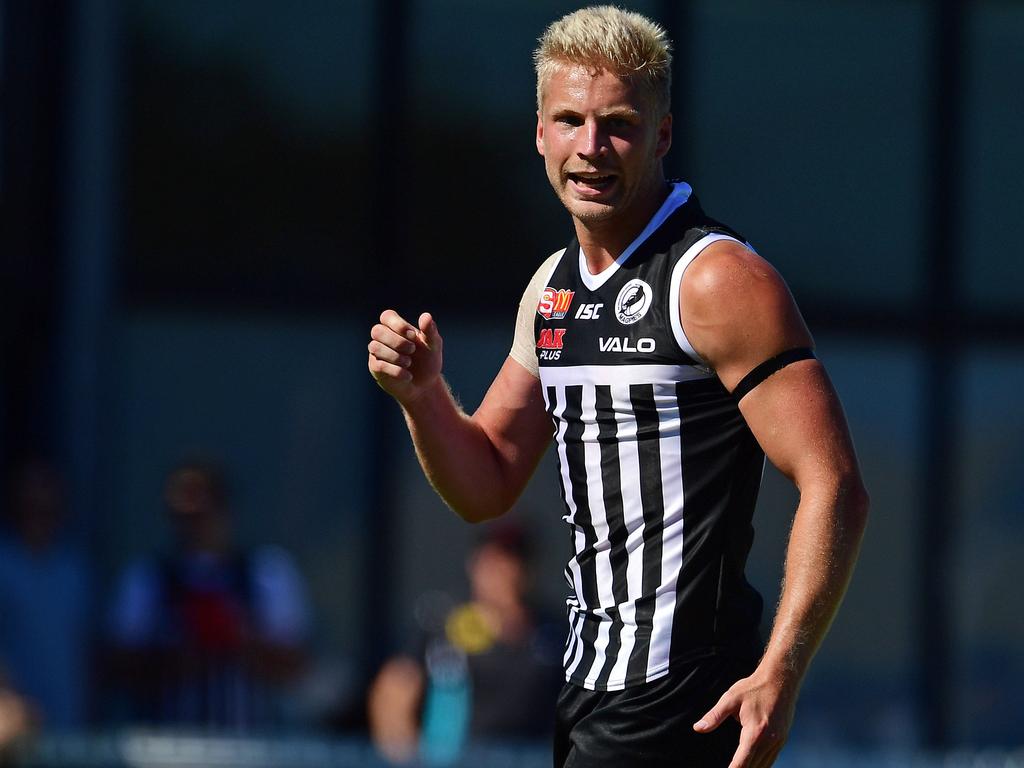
<point x="540" y="134"/>
<point x="664" y="142"/>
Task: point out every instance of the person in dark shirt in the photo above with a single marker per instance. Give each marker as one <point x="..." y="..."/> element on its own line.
<point x="209" y="633"/>
<point x="487" y="670"/>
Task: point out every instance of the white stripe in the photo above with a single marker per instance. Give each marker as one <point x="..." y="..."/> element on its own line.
<point x="594" y="375"/>
<point x="578" y="631"/>
<point x="574" y="637"/>
<point x="595" y="497"/>
<point x="599" y="520"/>
<point x="677" y="280"/>
<point x="670" y="447"/>
<point x="680" y="193"/>
<point x="633" y="517"/>
<point x="570" y="515"/>
<point x="627" y="613"/>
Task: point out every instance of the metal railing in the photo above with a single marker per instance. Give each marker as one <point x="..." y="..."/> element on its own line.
<point x="162" y="749"/>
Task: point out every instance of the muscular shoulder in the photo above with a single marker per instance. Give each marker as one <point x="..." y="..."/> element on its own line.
<point x="729" y="278"/>
<point x="737" y="310"/>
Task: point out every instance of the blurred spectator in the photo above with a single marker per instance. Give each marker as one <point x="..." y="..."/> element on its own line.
<point x="484" y="671"/>
<point x="44" y="602"/>
<point x="15" y="719"/>
<point x="208" y="635"/>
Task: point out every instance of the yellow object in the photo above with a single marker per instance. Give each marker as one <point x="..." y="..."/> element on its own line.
<point x="469" y="630"/>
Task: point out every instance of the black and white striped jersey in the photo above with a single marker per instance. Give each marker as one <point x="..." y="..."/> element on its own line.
<point x="659" y="471"/>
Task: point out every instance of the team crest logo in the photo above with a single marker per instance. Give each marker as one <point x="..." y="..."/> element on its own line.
<point x="633" y="301"/>
<point x="554" y="305"/>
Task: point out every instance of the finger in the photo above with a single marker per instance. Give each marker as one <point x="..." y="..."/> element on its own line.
<point x="388" y="355"/>
<point x="744" y="752"/>
<point x="397" y="323"/>
<point x="770" y="757"/>
<point x="384" y="370"/>
<point x="390" y="338"/>
<point x="431" y="336"/>
<point x="716" y="715"/>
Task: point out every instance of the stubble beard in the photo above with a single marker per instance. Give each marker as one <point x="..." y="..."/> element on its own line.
<point x="590" y="213"/>
<point x="586" y="212"/>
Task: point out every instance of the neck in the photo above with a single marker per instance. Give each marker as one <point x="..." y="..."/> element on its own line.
<point x="602" y="242"/>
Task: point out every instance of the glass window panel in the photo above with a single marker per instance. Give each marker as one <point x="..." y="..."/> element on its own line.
<point x="987" y="606"/>
<point x="245" y="153"/>
<point x="994" y="157"/>
<point x="807" y="124"/>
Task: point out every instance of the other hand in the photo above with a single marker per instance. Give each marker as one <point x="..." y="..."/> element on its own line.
<point x="405" y="360"/>
<point x="764" y="707"/>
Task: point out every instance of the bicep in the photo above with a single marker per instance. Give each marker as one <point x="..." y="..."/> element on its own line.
<point x="797" y="418"/>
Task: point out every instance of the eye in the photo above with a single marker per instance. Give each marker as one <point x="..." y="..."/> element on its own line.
<point x="618" y="123"/>
<point x="571" y="120"/>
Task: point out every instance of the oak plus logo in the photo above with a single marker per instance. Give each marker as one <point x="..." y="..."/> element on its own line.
<point x="633" y="301"/>
<point x="550" y="343"/>
<point x="554" y="304"/>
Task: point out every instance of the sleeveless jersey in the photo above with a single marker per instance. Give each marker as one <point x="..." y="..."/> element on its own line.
<point x="659" y="471"/>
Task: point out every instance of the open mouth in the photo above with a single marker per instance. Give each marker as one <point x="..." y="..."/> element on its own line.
<point x="595" y="182"/>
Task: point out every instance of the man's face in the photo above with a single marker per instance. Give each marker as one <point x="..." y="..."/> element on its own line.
<point x="602" y="143"/>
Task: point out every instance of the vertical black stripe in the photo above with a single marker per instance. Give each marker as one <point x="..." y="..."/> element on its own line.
<point x="570" y="642"/>
<point x="577" y="469"/>
<point x="651" y="499"/>
<point x="552" y="402"/>
<point x="552" y="405"/>
<point x="611" y="482"/>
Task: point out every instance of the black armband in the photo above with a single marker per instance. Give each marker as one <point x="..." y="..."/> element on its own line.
<point x="768" y="367"/>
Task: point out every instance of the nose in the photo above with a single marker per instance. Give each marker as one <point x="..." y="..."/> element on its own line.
<point x="593" y="141"/>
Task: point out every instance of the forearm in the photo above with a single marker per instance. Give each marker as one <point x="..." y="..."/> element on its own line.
<point x="458" y="456"/>
<point x="820" y="558"/>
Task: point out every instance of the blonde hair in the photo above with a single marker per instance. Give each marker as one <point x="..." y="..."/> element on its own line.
<point x="606" y="38"/>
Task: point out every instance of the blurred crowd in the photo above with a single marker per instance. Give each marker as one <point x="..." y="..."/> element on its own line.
<point x="208" y="634"/>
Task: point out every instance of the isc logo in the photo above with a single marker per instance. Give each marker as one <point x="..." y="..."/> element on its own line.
<point x="589" y="311"/>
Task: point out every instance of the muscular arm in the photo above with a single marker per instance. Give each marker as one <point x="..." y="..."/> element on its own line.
<point x="479" y="464"/>
<point x="737" y="313"/>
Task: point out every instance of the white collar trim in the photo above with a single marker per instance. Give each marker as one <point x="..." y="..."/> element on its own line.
<point x="680" y="193"/>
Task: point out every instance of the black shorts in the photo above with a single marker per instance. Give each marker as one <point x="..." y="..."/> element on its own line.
<point x="650" y="725"/>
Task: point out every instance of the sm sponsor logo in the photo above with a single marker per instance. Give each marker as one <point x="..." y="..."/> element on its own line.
<point x="550" y="343"/>
<point x="554" y="305"/>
